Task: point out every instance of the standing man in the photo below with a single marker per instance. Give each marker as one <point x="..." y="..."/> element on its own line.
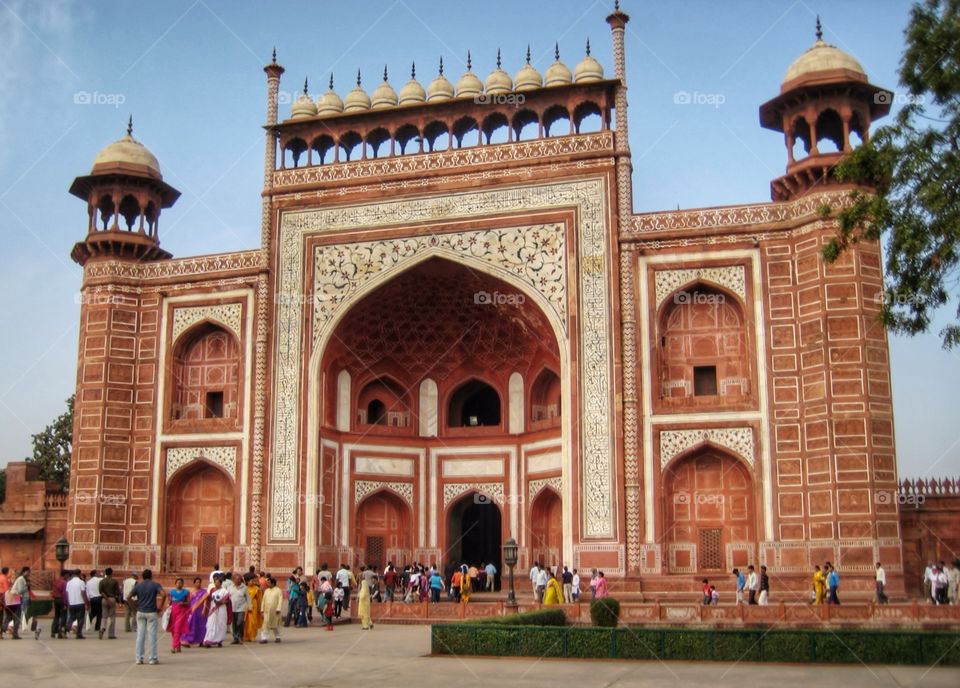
<point x="272" y="604"/>
<point x="928" y="581"/>
<point x="833" y="584"/>
<point x="347" y="582"/>
<point x="953" y="582"/>
<point x="741" y="584"/>
<point x="59" y="607"/>
<point x="534" y="578"/>
<point x="15" y="599"/>
<point x="567" y="578"/>
<point x="129" y="605"/>
<point x="239" y="600"/>
<point x="753" y="585"/>
<point x="543" y="577"/>
<point x="764" y="585"/>
<point x="109" y="594"/>
<point x="389" y="583"/>
<point x="881" y="584"/>
<point x="77" y="602"/>
<point x="96" y="601"/>
<point x="148" y="611"/>
<point x="491" y="576"/>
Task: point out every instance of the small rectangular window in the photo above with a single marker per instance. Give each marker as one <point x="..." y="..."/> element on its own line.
<point x="704" y="381"/>
<point x="214" y="405"/>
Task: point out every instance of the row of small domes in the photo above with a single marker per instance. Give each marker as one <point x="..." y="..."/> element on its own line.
<point x="440" y="89"/>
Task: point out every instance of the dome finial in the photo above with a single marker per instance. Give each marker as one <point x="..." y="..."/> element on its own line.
<point x="384" y="73"/>
<point x="331" y="81"/>
<point x="130" y="126"/>
<point x="498" y="58"/>
<point x="819" y="29"/>
<point x="528" y="53"/>
<point x="469" y="62"/>
<point x="306" y="85"/>
<point x="274" y="55"/>
<point x="616" y="5"/>
<point x="588" y="46"/>
<point x="358" y="78"/>
<point x="413" y="70"/>
<point x="556" y="51"/>
<point x="441" y="65"/>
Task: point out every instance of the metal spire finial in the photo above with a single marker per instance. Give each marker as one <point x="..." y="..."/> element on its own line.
<point x="358" y="78"/>
<point x="306" y="85"/>
<point x="130" y="126"/>
<point x="588" y="46"/>
<point x="498" y="58"/>
<point x="528" y="53"/>
<point x="469" y="62"/>
<point x="616" y="5"/>
<point x="274" y="54"/>
<point x="331" y="81"/>
<point x="556" y="51"/>
<point x="384" y="73"/>
<point x="819" y="29"/>
<point x="413" y="70"/>
<point x="441" y="65"/>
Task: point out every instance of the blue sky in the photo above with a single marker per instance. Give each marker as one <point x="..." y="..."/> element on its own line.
<point x="190" y="73"/>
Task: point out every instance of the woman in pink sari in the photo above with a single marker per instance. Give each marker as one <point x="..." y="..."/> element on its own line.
<point x="196" y="618"/>
<point x="179" y="612"/>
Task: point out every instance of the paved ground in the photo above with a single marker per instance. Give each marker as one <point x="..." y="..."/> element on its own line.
<point x="397" y="655"/>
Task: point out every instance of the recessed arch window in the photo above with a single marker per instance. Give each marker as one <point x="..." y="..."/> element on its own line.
<point x="206" y="375"/>
<point x="474" y="404"/>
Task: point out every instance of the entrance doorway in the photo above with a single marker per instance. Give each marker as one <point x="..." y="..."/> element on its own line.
<point x="475" y="532"/>
<point x="199" y="516"/>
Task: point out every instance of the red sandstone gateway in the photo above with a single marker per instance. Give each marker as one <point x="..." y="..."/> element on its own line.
<point x="457" y="331"/>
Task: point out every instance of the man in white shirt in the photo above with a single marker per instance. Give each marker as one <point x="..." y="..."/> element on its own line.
<point x="130" y="615"/>
<point x="77" y="601"/>
<point x="534" y="577"/>
<point x="543" y="577"/>
<point x="491" y="572"/>
<point x="239" y="600"/>
<point x="753" y="585"/>
<point x="881" y="584"/>
<point x="575" y="586"/>
<point x="96" y="602"/>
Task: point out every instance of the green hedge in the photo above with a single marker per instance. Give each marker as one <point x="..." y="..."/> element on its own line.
<point x="534" y="617"/>
<point x="605" y="612"/>
<point x="726" y="645"/>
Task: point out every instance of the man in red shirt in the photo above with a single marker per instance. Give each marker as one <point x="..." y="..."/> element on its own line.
<point x="4" y="586"/>
<point x="389" y="583"/>
<point x="59" y="626"/>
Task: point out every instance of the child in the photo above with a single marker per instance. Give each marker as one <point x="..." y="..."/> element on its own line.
<point x="707" y="595"/>
<point x="328" y="609"/>
<point x="337" y="600"/>
<point x="714" y="595"/>
<point x="302" y="606"/>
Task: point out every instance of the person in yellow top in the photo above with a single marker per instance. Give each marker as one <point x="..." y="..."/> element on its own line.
<point x="554" y="593"/>
<point x="254" y="617"/>
<point x="272" y="604"/>
<point x="465" y="587"/>
<point x="819" y="582"/>
<point x="363" y="605"/>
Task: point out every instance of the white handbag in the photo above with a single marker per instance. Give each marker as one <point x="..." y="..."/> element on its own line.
<point x="165" y="619"/>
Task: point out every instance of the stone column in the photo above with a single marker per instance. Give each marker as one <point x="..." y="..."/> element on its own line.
<point x="628" y="302"/>
<point x="273" y="71"/>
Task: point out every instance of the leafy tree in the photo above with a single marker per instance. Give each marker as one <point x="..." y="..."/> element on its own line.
<point x="913" y="167"/>
<point x="52" y="447"/>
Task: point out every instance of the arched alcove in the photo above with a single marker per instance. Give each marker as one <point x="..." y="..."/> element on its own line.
<point x="472" y="404"/>
<point x="199" y="517"/>
<point x="205" y="376"/>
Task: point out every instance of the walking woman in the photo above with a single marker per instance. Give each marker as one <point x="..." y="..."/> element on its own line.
<point x="179" y="613"/>
<point x="217" y="616"/>
<point x="254" y="618"/>
<point x="196" y="619"/>
<point x="465" y="587"/>
<point x="363" y="606"/>
<point x="553" y="593"/>
<point x="818" y="584"/>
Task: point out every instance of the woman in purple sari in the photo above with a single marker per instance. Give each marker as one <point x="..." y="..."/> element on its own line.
<point x="196" y="619"/>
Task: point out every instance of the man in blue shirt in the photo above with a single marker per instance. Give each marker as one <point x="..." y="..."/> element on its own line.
<point x="491" y="575"/>
<point x="833" y="582"/>
<point x="741" y="584"/>
<point x="148" y="611"/>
